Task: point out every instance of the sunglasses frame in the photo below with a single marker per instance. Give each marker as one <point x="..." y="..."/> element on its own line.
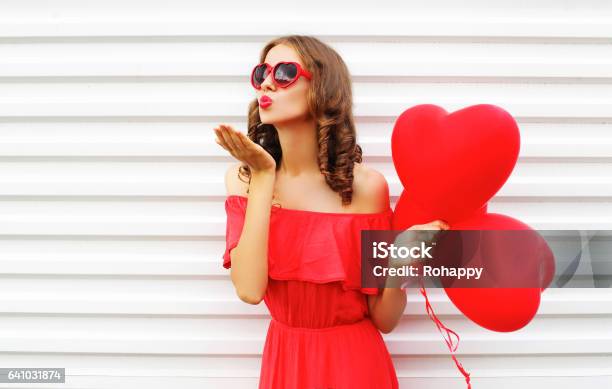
<point x="272" y="70"/>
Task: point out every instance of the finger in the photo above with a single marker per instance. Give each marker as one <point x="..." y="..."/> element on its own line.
<point x="433" y="225"/>
<point x="233" y="138"/>
<point x="218" y="136"/>
<point x="251" y="145"/>
<point x="428" y="236"/>
<point x="408" y="235"/>
<point x="442" y="224"/>
<point x="246" y="141"/>
<point x="221" y="143"/>
<point x="225" y="132"/>
<point x="235" y="134"/>
<point x="220" y="140"/>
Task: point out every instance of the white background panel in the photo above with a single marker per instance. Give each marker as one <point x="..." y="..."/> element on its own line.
<point x="112" y="219"/>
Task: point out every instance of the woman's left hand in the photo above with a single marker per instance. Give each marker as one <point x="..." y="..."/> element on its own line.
<point x="412" y="237"/>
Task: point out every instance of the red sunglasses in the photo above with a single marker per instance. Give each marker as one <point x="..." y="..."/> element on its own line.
<point x="284" y="74"/>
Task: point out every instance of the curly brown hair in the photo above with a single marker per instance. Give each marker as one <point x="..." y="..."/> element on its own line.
<point x="330" y="102"/>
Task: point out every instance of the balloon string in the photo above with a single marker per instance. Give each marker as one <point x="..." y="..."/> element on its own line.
<point x="449" y="342"/>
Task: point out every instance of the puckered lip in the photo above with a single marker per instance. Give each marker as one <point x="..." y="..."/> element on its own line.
<point x="265" y="99"/>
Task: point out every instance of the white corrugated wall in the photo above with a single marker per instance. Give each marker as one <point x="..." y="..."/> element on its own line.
<point x="111" y="185"/>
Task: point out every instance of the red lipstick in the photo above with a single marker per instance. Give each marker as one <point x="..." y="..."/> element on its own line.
<point x="265" y="101"/>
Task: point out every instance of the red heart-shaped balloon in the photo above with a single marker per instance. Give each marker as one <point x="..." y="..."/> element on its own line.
<point x="500" y="308"/>
<point x="407" y="213"/>
<point x="452" y="164"/>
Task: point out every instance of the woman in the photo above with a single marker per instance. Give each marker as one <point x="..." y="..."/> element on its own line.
<point x="296" y="204"/>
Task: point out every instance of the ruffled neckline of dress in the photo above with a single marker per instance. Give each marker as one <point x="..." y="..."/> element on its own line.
<point x="244" y="199"/>
<point x="315" y="246"/>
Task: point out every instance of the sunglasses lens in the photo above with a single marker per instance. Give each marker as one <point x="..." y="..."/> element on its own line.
<point x="260" y="74"/>
<point x="285" y="73"/>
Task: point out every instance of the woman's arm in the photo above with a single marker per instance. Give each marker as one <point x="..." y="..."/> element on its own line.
<point x="249" y="259"/>
<point x="387" y="308"/>
<point x="372" y="191"/>
<point x="249" y="270"/>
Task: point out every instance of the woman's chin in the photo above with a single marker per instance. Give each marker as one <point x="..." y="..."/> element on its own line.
<point x="265" y="119"/>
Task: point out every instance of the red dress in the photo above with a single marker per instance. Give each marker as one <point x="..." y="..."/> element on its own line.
<point x="320" y="335"/>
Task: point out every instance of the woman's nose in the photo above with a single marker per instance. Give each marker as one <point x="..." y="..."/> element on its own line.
<point x="268" y="84"/>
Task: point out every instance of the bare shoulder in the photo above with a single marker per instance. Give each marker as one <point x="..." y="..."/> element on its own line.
<point x="370" y="189"/>
<point x="235" y="185"/>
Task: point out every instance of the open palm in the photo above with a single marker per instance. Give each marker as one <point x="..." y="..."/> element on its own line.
<point x="244" y="149"/>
